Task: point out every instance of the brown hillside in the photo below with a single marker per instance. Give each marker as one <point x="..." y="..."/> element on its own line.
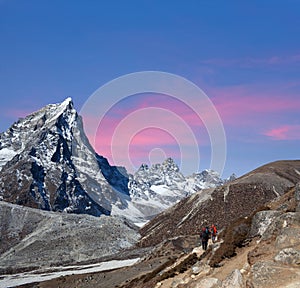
<point x="224" y="204"/>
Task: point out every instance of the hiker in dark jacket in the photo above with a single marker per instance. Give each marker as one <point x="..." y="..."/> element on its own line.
<point x="204" y="235"/>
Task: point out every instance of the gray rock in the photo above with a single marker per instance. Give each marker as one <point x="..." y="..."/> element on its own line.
<point x="280" y="222"/>
<point x="297" y="197"/>
<point x="288" y="256"/>
<point x="288" y="237"/>
<point x="176" y="282"/>
<point x="265" y="274"/>
<point x="196" y="269"/>
<point x="233" y="280"/>
<point x="297" y="192"/>
<point x="262" y="273"/>
<point x="206" y="283"/>
<point x="261" y="222"/>
<point x="201" y="269"/>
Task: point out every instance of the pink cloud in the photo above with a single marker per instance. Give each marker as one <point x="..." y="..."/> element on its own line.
<point x="244" y="104"/>
<point x="106" y="128"/>
<point x="150" y="137"/>
<point x="284" y="132"/>
<point x="140" y="147"/>
<point x="244" y="109"/>
<point x="145" y="140"/>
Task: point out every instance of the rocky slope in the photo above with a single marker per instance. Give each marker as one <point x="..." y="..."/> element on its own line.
<point x="260" y="251"/>
<point x="32" y="238"/>
<point x="224" y="204"/>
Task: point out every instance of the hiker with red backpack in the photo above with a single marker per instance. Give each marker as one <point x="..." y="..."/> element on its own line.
<point x="214" y="233"/>
<point x="205" y="235"/>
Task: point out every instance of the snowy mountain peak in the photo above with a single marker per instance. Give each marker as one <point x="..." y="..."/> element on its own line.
<point x="61" y="117"/>
<point x="153" y="189"/>
<point x="65" y="110"/>
<point x="47" y="162"/>
<point x="169" y="162"/>
<point x="208" y="176"/>
<point x="170" y="165"/>
<point x="68" y="101"/>
<point x="143" y="167"/>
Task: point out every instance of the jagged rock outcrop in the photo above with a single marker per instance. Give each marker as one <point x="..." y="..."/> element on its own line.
<point x="261" y="221"/>
<point x="233" y="280"/>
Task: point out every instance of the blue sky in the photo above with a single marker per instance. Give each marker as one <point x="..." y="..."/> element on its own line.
<point x="244" y="55"/>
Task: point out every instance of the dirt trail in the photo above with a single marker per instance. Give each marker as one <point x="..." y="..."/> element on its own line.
<point x="228" y="265"/>
<point x="236" y="262"/>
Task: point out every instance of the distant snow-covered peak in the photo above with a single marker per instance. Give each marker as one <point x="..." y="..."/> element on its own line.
<point x="170" y="165"/>
<point x="155" y="188"/>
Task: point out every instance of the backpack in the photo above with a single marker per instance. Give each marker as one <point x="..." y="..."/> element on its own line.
<point x="214" y="230"/>
<point x="205" y="233"/>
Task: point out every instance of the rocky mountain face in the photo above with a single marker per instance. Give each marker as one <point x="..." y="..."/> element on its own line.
<point x="47" y="162"/>
<point x="223" y="204"/>
<point x="153" y="189"/>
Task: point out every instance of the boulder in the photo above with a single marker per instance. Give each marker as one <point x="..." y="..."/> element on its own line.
<point x="205" y="283"/>
<point x="288" y="237"/>
<point x="233" y="280"/>
<point x="261" y="222"/>
<point x="288" y="256"/>
<point x="290" y="219"/>
<point x="201" y="269"/>
<point x="265" y="274"/>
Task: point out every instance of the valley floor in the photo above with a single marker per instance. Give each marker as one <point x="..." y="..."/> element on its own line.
<point x="56" y="272"/>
